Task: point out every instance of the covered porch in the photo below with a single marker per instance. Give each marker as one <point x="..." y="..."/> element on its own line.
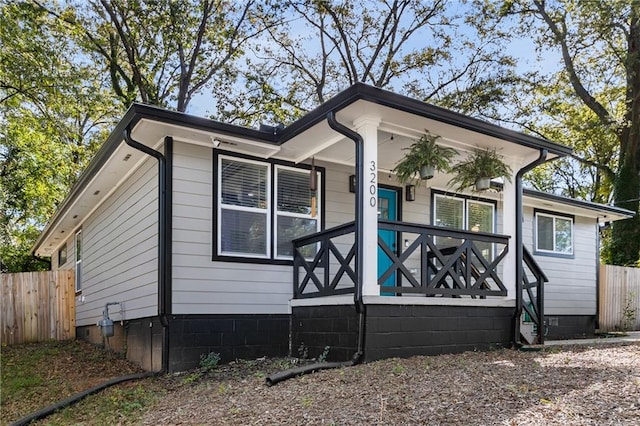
<point x="406" y="285"/>
<point x="438" y="290"/>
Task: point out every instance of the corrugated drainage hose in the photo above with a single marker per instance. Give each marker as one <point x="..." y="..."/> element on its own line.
<point x="77" y="397"/>
<point x="274" y="378"/>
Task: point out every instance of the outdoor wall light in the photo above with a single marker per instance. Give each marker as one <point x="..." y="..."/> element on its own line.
<point x="215" y="141"/>
<point x="352" y="183"/>
<point x="410" y="193"/>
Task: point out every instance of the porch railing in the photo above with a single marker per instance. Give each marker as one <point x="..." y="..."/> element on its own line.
<point x="437" y="261"/>
<point x="533" y="279"/>
<point x="429" y="260"/>
<point x="326" y="263"/>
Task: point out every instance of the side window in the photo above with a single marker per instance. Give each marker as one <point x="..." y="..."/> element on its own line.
<point x="62" y="255"/>
<point x="78" y="256"/>
<point x="554" y="234"/>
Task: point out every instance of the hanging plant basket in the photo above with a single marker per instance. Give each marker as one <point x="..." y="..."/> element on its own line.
<point x="426" y="171"/>
<point x="483" y="183"/>
<point x="477" y="170"/>
<point x="423" y="158"/>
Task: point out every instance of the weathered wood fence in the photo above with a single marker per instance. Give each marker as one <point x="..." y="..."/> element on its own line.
<point x="37" y="306"/>
<point x="619" y="298"/>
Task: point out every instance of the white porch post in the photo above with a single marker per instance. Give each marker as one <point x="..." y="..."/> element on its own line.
<point x="509" y="228"/>
<point x="367" y="127"/>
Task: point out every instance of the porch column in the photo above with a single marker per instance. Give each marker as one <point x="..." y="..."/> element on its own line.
<point x="509" y="228"/>
<point x="367" y="127"/>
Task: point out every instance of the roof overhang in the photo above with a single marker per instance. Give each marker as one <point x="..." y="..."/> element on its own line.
<point x="401" y="120"/>
<point x="601" y="212"/>
<point x="115" y="161"/>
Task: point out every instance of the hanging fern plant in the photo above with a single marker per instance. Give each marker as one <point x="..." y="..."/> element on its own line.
<point x="478" y="169"/>
<point x="424" y="157"/>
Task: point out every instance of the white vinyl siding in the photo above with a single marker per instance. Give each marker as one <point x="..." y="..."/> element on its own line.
<point x="120" y="250"/>
<point x="203" y="286"/>
<point x="571" y="289"/>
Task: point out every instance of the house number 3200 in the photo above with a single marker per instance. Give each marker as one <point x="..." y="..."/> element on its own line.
<point x="373" y="187"/>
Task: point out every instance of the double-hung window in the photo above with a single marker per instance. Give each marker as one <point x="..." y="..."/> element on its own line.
<point x="465" y="214"/>
<point x="262" y="206"/>
<point x="554" y="234"/>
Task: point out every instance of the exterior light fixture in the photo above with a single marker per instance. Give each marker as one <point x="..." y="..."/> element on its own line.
<point x="352" y="183"/>
<point x="410" y="193"/>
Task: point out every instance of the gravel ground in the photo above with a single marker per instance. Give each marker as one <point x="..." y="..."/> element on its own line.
<point x="560" y="386"/>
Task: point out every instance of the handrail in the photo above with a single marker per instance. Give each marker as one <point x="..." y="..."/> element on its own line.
<point x="533" y="265"/>
<point x="535" y="308"/>
<point x="336" y="231"/>
<point x="442" y="231"/>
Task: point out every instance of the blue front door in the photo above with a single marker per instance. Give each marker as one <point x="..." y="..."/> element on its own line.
<point x="387" y="210"/>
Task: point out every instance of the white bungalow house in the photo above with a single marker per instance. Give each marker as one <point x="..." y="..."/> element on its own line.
<point x="181" y="230"/>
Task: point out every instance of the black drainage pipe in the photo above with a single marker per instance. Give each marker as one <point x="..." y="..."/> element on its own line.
<point x="306" y="369"/>
<point x="357" y="294"/>
<point x="165" y="189"/>
<point x="41" y="414"/>
<point x="542" y="157"/>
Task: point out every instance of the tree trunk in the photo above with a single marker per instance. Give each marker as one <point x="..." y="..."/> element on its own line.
<point x="625" y="243"/>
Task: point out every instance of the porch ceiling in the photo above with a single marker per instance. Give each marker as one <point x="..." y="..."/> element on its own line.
<point x="397" y="130"/>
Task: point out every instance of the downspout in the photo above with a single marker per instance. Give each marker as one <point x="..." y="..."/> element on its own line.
<point x="272" y="379"/>
<point x="359" y="233"/>
<point x="164" y="234"/>
<point x="598" y="244"/>
<point x="519" y="240"/>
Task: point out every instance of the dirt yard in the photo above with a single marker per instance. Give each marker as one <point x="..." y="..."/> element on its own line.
<point x="570" y="386"/>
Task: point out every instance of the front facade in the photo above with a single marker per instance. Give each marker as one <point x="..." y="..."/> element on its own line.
<point x="184" y="226"/>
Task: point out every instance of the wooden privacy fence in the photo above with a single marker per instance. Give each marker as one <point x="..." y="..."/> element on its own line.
<point x="37" y="306"/>
<point x="619" y="298"/>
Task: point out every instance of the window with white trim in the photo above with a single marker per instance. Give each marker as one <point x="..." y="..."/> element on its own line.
<point x="554" y="234"/>
<point x="294" y="217"/>
<point x="262" y="207"/>
<point x="465" y="214"/>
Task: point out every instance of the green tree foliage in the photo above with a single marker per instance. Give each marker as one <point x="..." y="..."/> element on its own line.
<point x="54" y="115"/>
<point x="589" y="100"/>
<point x="161" y="52"/>
<point x="68" y="71"/>
<point x="423" y="49"/>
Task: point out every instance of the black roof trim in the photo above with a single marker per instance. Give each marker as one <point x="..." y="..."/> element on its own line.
<point x="277" y="135"/>
<point x="578" y="203"/>
<point x="361" y="91"/>
<point x="268" y="135"/>
<point x="134" y="114"/>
